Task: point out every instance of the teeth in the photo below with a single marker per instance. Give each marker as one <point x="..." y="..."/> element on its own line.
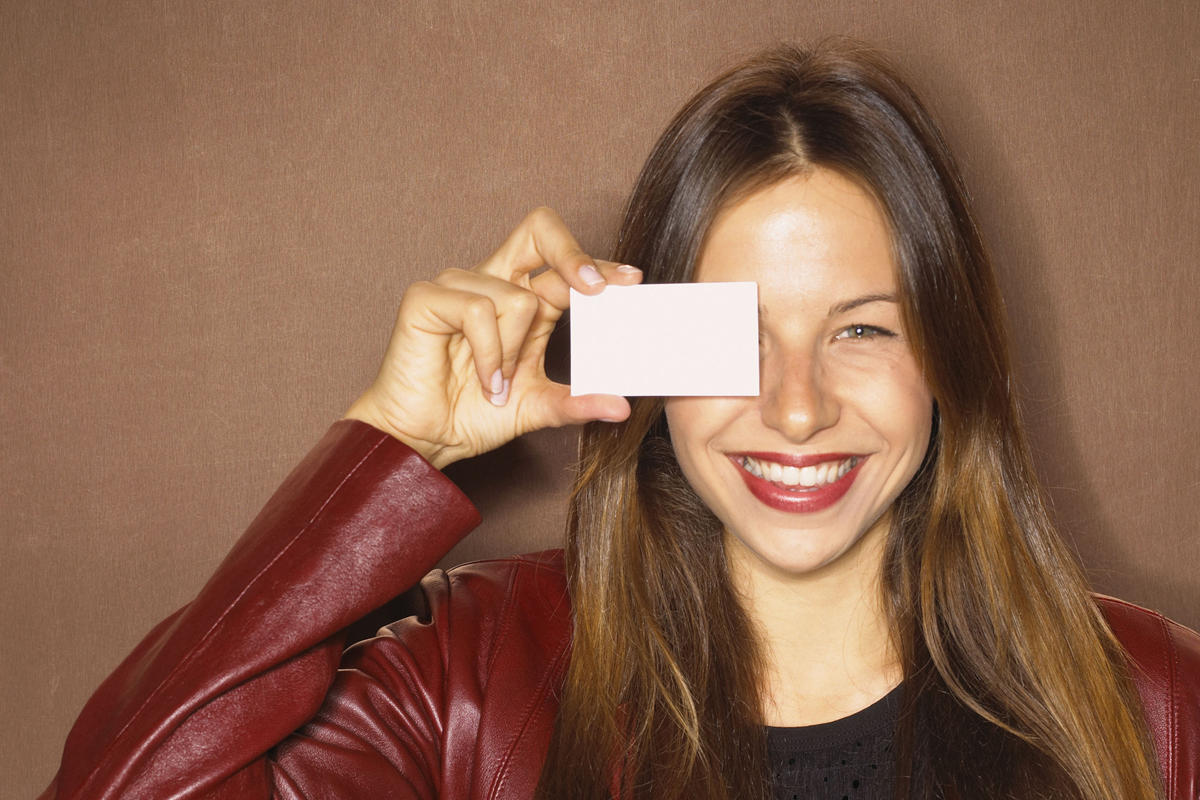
<point x="801" y="477"/>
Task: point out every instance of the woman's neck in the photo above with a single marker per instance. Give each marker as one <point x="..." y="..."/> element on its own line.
<point x="827" y="649"/>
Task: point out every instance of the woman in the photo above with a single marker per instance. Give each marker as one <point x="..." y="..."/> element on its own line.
<point x="858" y="559"/>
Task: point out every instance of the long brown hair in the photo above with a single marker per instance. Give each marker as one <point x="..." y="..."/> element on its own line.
<point x="1001" y="644"/>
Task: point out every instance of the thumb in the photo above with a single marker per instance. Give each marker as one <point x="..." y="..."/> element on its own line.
<point x="554" y="407"/>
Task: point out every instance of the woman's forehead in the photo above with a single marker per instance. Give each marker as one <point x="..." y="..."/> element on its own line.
<point x="816" y="234"/>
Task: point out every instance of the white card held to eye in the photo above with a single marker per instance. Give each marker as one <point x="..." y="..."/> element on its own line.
<point x="666" y="339"/>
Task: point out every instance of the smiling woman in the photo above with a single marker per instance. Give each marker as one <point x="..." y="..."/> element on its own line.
<point x="711" y="595"/>
<point x="848" y="582"/>
<point x="803" y="477"/>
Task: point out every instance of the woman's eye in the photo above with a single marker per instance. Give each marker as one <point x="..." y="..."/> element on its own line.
<point x="863" y="332"/>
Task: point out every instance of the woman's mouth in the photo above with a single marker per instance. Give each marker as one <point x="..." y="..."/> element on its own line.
<point x="797" y="484"/>
<point x="809" y="477"/>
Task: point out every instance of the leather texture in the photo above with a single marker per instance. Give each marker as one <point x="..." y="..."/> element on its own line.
<point x="1165" y="659"/>
<point x="246" y="693"/>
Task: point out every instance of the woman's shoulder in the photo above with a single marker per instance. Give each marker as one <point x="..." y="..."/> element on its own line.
<point x="1165" y="657"/>
<point x="531" y="587"/>
<point x="517" y="605"/>
<point x="470" y="674"/>
<point x="1159" y="646"/>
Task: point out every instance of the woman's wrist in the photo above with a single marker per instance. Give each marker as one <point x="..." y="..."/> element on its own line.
<point x="367" y="413"/>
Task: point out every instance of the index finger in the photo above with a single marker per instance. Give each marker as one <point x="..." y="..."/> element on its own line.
<point x="542" y="239"/>
<point x="551" y="287"/>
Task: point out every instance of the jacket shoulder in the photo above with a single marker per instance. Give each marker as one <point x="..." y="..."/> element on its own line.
<point x="532" y="587"/>
<point x="516" y="605"/>
<point x="519" y="601"/>
<point x="543" y="571"/>
<point x="473" y="676"/>
<point x="1165" y="664"/>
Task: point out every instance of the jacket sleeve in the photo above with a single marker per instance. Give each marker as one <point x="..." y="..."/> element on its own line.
<point x="200" y="706"/>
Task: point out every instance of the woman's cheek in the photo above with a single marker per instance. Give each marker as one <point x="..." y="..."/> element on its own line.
<point x="699" y="426"/>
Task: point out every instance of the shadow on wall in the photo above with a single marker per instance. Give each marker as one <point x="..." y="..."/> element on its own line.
<point x="1037" y="336"/>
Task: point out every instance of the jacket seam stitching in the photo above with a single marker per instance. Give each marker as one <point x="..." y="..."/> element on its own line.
<point x="1173" y="707"/>
<point x="530" y="710"/>
<point x="543" y="687"/>
<point x="510" y="594"/>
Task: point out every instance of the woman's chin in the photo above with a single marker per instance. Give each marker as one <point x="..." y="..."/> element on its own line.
<point x="794" y="555"/>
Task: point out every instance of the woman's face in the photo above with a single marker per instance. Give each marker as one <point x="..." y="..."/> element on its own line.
<point x="803" y="476"/>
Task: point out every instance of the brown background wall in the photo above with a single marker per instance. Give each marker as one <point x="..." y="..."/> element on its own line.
<point x="208" y="212"/>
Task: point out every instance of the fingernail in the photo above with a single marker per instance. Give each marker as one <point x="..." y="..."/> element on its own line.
<point x="497" y="382"/>
<point x="501" y="397"/>
<point x="590" y="276"/>
<point x="627" y="268"/>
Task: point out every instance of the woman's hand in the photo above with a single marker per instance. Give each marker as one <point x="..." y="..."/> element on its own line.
<point x="465" y="368"/>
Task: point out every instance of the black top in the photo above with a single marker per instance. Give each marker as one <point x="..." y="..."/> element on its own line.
<point x="847" y="759"/>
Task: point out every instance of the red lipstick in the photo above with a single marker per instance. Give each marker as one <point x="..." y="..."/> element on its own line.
<point x="798" y="500"/>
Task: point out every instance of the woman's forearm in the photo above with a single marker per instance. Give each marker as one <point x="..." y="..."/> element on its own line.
<point x="195" y="710"/>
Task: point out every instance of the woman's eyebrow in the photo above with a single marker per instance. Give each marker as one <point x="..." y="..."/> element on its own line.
<point x="850" y="305"/>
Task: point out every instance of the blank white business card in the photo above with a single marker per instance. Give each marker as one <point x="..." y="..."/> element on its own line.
<point x="666" y="339"/>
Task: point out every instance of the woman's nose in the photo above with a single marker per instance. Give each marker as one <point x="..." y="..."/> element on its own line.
<point x="796" y="397"/>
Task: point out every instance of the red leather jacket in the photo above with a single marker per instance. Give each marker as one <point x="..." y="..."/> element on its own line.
<point x="246" y="692"/>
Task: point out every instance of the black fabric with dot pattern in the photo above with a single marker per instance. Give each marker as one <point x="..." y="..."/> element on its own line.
<point x="847" y="759"/>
